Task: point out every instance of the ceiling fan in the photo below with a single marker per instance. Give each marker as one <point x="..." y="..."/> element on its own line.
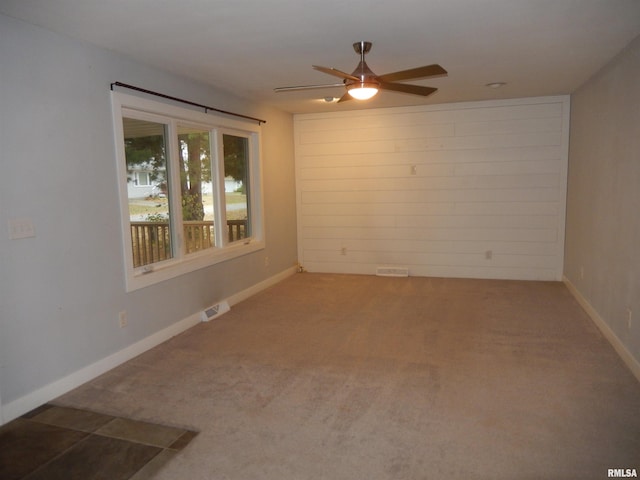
<point x="363" y="84"/>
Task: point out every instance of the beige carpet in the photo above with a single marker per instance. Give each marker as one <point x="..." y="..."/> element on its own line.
<point x="358" y="377"/>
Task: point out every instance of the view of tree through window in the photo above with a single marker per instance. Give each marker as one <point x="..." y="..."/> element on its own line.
<point x="196" y="187"/>
<point x="236" y="172"/>
<point x="149" y="212"/>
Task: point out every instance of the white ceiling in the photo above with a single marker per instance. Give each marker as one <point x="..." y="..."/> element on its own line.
<point x="249" y="47"/>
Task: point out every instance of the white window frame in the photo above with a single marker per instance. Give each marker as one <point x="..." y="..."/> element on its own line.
<point x="181" y="263"/>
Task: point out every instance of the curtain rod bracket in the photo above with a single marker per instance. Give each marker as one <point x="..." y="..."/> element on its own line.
<point x="194" y="104"/>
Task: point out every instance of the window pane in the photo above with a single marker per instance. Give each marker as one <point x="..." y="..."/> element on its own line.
<point x="149" y="213"/>
<point x="196" y="188"/>
<point x="236" y="186"/>
<point x="144" y="179"/>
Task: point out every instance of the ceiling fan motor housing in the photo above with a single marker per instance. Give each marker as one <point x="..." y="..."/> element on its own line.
<point x="364" y="73"/>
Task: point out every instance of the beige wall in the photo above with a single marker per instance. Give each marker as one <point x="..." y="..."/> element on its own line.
<point x="602" y="259"/>
<point x="456" y="190"/>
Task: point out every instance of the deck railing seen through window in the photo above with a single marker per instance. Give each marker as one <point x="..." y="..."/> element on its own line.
<point x="151" y="241"/>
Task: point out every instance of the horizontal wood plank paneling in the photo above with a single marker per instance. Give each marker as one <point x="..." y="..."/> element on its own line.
<point x="450" y="234"/>
<point x="507" y="155"/>
<point x="429" y="196"/>
<point x="432" y="221"/>
<point x="442" y="208"/>
<point x="461" y="190"/>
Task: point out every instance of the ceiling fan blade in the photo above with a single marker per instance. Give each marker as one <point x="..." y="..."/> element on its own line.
<point x="336" y="72"/>
<point x="404" y="88"/>
<point x="414" y="73"/>
<point x="345" y="97"/>
<point x="307" y="87"/>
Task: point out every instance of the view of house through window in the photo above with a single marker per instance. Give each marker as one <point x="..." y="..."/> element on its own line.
<point x="149" y="213"/>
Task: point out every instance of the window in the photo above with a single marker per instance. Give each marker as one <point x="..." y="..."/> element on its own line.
<point x="142" y="179"/>
<point x="190" y="188"/>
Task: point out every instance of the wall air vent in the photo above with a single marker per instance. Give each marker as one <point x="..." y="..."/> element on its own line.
<point x="215" y="310"/>
<point x="392" y="272"/>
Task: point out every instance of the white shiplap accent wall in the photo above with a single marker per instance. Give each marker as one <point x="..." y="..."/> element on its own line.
<point x="459" y="190"/>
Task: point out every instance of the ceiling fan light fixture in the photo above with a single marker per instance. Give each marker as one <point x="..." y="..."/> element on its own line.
<point x="362" y="91"/>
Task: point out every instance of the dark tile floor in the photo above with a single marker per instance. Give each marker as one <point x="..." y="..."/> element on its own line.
<point x="54" y="442"/>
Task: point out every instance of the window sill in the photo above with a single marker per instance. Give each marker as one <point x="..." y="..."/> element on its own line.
<point x="160" y="272"/>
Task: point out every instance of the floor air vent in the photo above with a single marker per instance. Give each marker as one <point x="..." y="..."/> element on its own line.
<point x="214" y="311"/>
<point x="392" y="272"/>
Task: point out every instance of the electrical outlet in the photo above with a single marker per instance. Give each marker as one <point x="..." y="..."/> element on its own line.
<point x="122" y="319"/>
<point x="266" y="261"/>
<point x="343" y="251"/>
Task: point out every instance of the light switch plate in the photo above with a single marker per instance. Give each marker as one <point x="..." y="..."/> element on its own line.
<point x="21" y="228"/>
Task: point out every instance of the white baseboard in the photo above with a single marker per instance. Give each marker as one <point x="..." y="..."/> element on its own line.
<point x="630" y="361"/>
<point x="53" y="390"/>
<point x="59" y="387"/>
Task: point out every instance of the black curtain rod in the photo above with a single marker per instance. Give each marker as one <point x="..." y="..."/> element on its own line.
<point x="169" y="97"/>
